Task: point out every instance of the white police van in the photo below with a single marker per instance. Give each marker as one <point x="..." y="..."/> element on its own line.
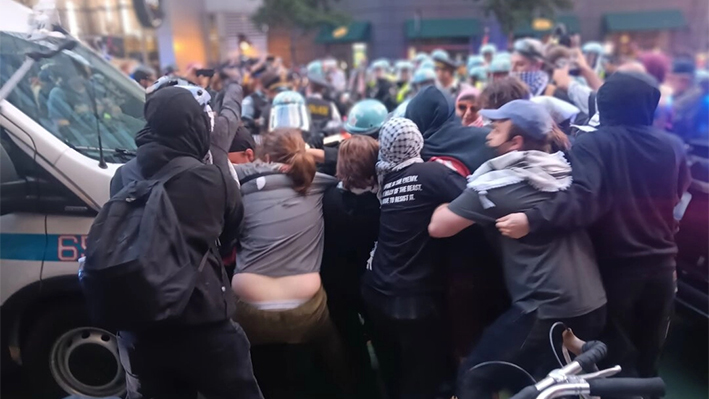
<point x="66" y="125"/>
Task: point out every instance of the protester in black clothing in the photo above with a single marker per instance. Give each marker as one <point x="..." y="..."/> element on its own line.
<point x="405" y="284"/>
<point x="201" y="350"/>
<point x="550" y="277"/>
<point x="351" y="212"/>
<point x="628" y="177"/>
<point x="444" y="135"/>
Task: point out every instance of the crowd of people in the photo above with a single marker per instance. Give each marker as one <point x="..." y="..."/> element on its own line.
<point x="452" y="218"/>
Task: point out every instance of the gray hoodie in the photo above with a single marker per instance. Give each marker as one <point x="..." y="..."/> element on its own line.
<point x="282" y="231"/>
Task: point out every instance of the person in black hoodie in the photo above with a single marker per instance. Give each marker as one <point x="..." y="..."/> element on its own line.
<point x="351" y="211"/>
<point x="627" y="179"/>
<point x="444" y="135"/>
<point x="201" y="350"/>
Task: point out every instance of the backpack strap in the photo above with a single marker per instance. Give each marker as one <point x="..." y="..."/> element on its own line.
<point x="174" y="168"/>
<point x="203" y="262"/>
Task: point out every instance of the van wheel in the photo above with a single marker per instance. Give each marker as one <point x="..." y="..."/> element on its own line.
<point x="64" y="354"/>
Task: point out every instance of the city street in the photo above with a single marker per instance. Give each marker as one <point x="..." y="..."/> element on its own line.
<point x="684" y="363"/>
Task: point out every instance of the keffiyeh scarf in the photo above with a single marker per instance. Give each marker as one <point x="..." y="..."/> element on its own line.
<point x="543" y="171"/>
<point x="537" y="81"/>
<point x="400" y="144"/>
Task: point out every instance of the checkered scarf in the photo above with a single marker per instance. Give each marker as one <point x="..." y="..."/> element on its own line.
<point x="400" y="144"/>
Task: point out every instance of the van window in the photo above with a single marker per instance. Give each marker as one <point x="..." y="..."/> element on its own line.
<point x="75" y="95"/>
<point x="27" y="187"/>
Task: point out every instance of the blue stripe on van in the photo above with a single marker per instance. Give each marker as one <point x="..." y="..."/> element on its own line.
<point x="38" y="247"/>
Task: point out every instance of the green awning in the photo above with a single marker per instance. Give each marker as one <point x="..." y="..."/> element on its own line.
<point x="442" y="28"/>
<point x="570" y="21"/>
<point x="644" y="20"/>
<point x="353" y="32"/>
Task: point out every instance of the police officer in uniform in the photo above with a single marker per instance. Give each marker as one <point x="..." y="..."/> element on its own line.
<point x="445" y="72"/>
<point x="366" y="117"/>
<point x="254" y="110"/>
<point x="383" y="89"/>
<point x="324" y="113"/>
<point x="403" y="80"/>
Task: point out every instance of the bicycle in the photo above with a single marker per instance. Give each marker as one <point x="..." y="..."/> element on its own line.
<point x="567" y="381"/>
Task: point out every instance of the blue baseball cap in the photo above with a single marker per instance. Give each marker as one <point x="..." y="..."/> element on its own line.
<point x="527" y="115"/>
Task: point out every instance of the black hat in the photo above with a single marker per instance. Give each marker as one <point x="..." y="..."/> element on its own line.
<point x="243" y="140"/>
<point x="683" y="65"/>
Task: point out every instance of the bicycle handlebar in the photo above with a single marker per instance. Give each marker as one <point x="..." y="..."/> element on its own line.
<point x="593" y="352"/>
<point x="653" y="387"/>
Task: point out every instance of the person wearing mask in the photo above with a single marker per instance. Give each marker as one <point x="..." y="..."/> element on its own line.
<point x="405" y="283"/>
<point x="144" y="76"/>
<point x="528" y="64"/>
<point x="280" y="295"/>
<point x="351" y="211"/>
<point x="488" y="52"/>
<point x="445" y="137"/>
<point x="445" y="72"/>
<point x="467" y="106"/>
<point x="200" y="350"/>
<point x="687" y="100"/>
<point x="550" y="277"/>
<point x="383" y="90"/>
<point x="627" y="179"/>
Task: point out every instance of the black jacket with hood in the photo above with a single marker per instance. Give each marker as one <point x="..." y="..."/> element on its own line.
<point x="628" y="177"/>
<point x="207" y="202"/>
<point x="443" y="132"/>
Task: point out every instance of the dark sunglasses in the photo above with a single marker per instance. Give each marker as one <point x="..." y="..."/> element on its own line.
<point x="463" y="108"/>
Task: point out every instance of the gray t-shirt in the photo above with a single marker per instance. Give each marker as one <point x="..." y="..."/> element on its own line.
<point x="557" y="274"/>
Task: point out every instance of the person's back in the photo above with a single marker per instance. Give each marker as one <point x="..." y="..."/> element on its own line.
<point x="199" y="350"/>
<point x="641" y="171"/>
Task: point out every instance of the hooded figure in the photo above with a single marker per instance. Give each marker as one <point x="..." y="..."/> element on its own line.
<point x="445" y="137"/>
<point x="627" y="179"/>
<point x="207" y="205"/>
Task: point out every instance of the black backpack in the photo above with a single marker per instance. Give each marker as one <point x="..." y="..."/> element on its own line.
<point x="137" y="269"/>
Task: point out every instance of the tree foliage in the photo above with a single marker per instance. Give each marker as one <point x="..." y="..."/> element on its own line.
<point x="304" y="15"/>
<point x="513" y="13"/>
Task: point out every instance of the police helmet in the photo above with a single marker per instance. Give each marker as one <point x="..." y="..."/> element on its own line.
<point x="478" y="72"/>
<point x="289" y="110"/>
<point x="420" y="57"/>
<point x="488" y="48"/>
<point x="381" y="63"/>
<point x="426" y="64"/>
<point x="366" y="117"/>
<point x="593" y="47"/>
<point x="500" y="65"/>
<point x="423" y="75"/>
<point x="404" y="65"/>
<point x="475" y="61"/>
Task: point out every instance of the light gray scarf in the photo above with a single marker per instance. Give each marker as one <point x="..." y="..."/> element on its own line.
<point x="543" y="171"/>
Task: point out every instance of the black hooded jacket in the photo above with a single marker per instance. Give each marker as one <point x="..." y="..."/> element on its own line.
<point x="628" y="177"/>
<point x="207" y="202"/>
<point x="443" y="132"/>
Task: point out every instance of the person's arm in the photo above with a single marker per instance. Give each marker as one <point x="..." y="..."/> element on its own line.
<point x="594" y="81"/>
<point x="233" y="216"/>
<point x="226" y="123"/>
<point x="445" y="223"/>
<point x="577" y="207"/>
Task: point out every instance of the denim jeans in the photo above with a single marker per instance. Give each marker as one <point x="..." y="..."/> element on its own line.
<point x="520" y="338"/>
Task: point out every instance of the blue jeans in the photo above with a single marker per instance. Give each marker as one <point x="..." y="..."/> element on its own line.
<point x="523" y="339"/>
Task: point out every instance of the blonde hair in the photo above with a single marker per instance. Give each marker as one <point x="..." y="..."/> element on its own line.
<point x="356" y="162"/>
<point x="286" y="145"/>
